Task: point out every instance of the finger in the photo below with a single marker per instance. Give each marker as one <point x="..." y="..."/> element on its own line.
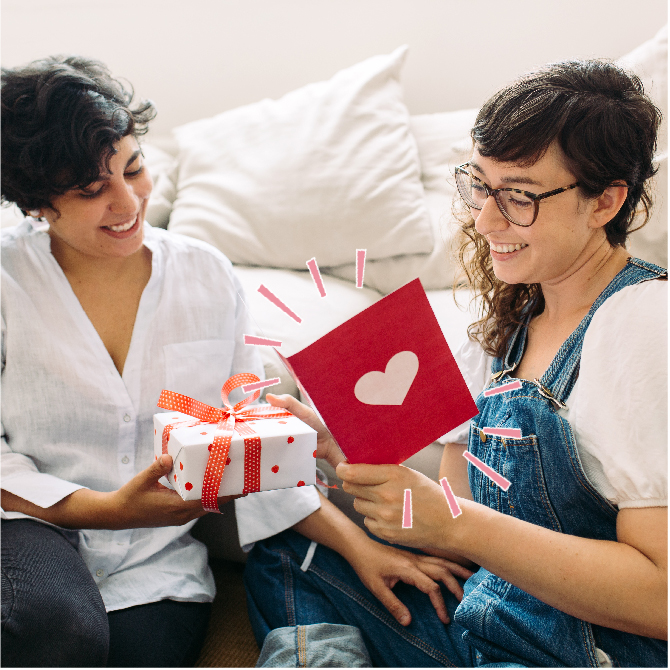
<point x="366" y="508"/>
<point x="159" y="468"/>
<point x="359" y="491"/>
<point x="293" y="405"/>
<point x="431" y="588"/>
<point x="455" y="568"/>
<point x="442" y="574"/>
<point x="387" y="598"/>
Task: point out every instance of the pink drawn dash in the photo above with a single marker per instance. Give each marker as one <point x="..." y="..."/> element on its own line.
<point x="407" y="509"/>
<point x="502" y="389"/>
<point x="503" y="483"/>
<point x="454" y="507"/>
<point x="316" y="276"/>
<point x="502" y="432"/>
<point x="248" y="388"/>
<point x="267" y="293"/>
<point x="261" y="341"/>
<point x="360" y="267"/>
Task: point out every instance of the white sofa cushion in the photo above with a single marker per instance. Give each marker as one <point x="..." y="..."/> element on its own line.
<point x="650" y="62"/>
<point x="443" y="140"/>
<point x="322" y="171"/>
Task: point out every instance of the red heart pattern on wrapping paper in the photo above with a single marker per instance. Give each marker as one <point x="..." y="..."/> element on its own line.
<point x="188" y="486"/>
<point x="275" y="469"/>
<point x="290" y="440"/>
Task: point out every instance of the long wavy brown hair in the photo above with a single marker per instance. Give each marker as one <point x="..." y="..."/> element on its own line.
<point x="606" y="127"/>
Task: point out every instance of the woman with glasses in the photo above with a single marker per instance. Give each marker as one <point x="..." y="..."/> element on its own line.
<point x="570" y="559"/>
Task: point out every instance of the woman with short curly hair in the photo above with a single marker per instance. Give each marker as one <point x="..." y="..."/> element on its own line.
<point x="98" y="565"/>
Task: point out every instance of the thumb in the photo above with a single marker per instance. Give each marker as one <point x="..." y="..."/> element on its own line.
<point x="161" y="466"/>
<point x="288" y="402"/>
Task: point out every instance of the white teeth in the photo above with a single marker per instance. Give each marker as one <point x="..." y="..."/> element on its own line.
<point x="123" y="227"/>
<point x="506" y="248"/>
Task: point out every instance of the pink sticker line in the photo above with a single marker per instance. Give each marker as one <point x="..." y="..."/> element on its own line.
<point x="503" y="483"/>
<point x="360" y="267"/>
<point x="248" y="388"/>
<point x="316" y="276"/>
<point x="502" y="389"/>
<point x="262" y="341"/>
<point x="503" y="432"/>
<point x="454" y="507"/>
<point x="267" y="293"/>
<point x="407" y="509"/>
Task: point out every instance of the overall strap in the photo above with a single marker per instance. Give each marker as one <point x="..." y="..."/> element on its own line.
<point x="562" y="374"/>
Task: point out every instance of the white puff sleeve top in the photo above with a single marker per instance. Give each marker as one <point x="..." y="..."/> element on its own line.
<point x="618" y="406"/>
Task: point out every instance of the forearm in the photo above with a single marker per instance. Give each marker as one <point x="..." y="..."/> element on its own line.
<point x="606" y="583"/>
<point x="332" y="528"/>
<point x="81" y="509"/>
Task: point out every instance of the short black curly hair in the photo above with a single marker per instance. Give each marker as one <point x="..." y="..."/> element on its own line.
<point x="61" y="117"/>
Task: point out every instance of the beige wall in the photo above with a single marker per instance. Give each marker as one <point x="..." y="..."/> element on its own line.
<point x="195" y="58"/>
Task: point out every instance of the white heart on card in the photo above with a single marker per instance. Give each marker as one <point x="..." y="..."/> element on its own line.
<point x="391" y="386"/>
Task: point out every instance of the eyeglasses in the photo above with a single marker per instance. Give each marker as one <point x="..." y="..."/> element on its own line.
<point x="518" y="207"/>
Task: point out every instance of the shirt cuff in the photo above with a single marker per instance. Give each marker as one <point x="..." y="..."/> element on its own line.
<point x="264" y="514"/>
<point x="39" y="488"/>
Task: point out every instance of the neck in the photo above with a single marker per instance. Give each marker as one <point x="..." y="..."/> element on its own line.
<point x="84" y="268"/>
<point x="575" y="292"/>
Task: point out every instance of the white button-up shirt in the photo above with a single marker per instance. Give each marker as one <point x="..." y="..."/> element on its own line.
<point x="69" y="420"/>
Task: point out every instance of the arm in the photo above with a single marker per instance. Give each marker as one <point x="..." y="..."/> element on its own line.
<point x="380" y="567"/>
<point x="455" y="468"/>
<point x="621" y="585"/>
<point x="141" y="503"/>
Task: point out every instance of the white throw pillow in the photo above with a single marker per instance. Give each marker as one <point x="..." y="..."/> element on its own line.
<point x="322" y="171"/>
<point x="650" y="62"/>
<point x="443" y="140"/>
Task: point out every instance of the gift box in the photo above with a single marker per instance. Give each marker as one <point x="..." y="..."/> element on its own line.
<point x="384" y="382"/>
<point x="232" y="450"/>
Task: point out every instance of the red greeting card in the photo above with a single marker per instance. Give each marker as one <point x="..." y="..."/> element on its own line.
<point x="385" y="382"/>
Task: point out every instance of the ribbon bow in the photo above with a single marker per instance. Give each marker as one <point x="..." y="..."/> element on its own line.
<point x="228" y="419"/>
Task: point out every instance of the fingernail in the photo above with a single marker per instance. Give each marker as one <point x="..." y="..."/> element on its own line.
<point x="404" y="619"/>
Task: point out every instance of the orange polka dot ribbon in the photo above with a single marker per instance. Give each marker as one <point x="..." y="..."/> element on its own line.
<point x="228" y="419"/>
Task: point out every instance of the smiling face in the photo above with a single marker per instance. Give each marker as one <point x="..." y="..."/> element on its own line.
<point x="104" y="220"/>
<point x="565" y="234"/>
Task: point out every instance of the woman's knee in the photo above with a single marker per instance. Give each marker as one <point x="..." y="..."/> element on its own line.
<point x="52" y="611"/>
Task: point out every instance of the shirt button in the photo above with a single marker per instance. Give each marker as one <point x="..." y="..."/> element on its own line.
<point x="126" y="417"/>
<point x="99" y="573"/>
<point x="125" y="460"/>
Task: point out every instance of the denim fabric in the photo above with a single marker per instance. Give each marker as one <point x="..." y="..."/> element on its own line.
<point x="320" y="645"/>
<point x="281" y="595"/>
<point x="549" y="489"/>
<point x="497" y="624"/>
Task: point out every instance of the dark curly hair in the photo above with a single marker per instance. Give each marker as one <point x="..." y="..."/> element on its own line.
<point x="61" y="117"/>
<point x="606" y="127"/>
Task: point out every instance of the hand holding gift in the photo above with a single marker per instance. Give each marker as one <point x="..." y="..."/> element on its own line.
<point x="145" y="503"/>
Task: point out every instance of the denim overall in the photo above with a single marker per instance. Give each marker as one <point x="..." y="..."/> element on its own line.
<point x="549" y="488"/>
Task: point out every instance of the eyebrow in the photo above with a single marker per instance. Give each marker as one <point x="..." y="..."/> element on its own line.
<point x="134" y="156"/>
<point x="510" y="179"/>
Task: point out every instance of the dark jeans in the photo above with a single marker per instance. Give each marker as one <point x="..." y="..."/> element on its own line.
<point x="53" y="614"/>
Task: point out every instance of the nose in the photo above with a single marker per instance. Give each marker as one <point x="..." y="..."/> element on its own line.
<point x="490" y="218"/>
<point x="124" y="199"/>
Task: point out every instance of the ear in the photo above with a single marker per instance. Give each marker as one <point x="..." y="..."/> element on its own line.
<point x="608" y="204"/>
